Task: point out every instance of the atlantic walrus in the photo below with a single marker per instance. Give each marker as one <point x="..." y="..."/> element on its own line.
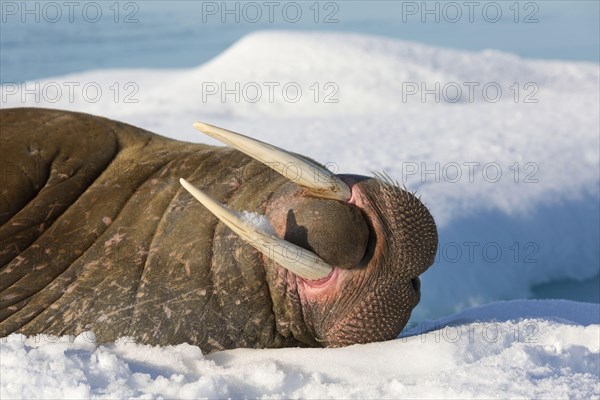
<point x="97" y="234"/>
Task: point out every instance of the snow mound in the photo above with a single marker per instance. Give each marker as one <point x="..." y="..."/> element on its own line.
<point x="520" y="355"/>
<point x="513" y="182"/>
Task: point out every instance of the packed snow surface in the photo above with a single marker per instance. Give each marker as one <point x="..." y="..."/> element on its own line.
<point x="503" y="150"/>
<point x="534" y="349"/>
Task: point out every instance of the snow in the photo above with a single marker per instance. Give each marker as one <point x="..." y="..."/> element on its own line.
<point x="551" y="352"/>
<point x="506" y="236"/>
<point x="523" y="212"/>
<point x="257" y="221"/>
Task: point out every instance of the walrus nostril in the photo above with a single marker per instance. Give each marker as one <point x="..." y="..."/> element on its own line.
<point x="416" y="284"/>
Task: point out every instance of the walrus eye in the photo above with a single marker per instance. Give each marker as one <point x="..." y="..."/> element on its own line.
<point x="327" y="186"/>
<point x="302" y="262"/>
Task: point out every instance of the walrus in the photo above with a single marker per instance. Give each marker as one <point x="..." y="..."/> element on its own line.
<point x="101" y="231"/>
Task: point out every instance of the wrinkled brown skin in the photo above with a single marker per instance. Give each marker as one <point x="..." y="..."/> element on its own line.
<point x="97" y="234"/>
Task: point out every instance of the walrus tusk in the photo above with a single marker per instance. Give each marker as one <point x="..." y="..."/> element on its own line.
<point x="298" y="260"/>
<point x="317" y="179"/>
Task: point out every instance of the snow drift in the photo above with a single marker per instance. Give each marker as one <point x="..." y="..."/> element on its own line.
<point x="543" y="349"/>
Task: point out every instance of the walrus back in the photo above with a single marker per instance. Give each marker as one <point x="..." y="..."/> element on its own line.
<point x="66" y="177"/>
<point x="97" y="234"/>
<point x="50" y="208"/>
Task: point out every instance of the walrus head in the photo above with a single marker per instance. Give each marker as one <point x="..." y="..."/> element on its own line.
<point x="343" y="253"/>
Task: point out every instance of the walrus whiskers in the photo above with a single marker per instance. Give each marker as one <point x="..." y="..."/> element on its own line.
<point x="323" y="182"/>
<point x="301" y="262"/>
